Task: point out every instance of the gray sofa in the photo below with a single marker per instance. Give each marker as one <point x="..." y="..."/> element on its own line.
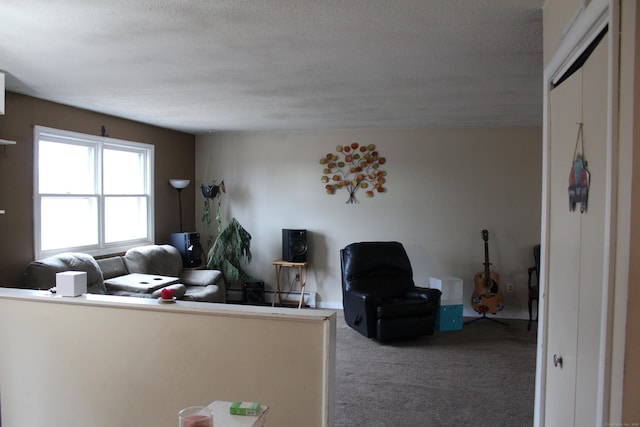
<point x="163" y="260"/>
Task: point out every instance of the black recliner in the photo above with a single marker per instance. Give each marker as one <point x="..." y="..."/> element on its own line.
<point x="380" y="298"/>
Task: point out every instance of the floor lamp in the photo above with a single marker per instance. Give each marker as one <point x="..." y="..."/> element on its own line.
<point x="179" y="184"/>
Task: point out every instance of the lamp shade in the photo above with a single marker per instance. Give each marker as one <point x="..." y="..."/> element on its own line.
<point x="179" y="183"/>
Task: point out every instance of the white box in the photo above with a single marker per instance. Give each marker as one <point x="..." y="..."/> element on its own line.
<point x="71" y="283"/>
<point x="451" y="288"/>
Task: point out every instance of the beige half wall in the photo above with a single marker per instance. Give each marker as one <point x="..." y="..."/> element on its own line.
<point x="111" y="361"/>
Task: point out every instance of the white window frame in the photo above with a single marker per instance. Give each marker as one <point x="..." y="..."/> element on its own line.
<point x="100" y="143"/>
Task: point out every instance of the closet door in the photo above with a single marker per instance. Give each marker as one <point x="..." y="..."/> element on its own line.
<point x="576" y="246"/>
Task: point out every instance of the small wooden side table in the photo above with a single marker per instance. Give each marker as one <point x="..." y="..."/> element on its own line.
<point x="302" y="274"/>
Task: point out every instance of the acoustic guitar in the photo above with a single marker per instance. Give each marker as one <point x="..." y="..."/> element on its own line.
<point x="487" y="297"/>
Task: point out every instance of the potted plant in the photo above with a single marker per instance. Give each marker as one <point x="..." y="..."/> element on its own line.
<point x="231" y="247"/>
<point x="210" y="192"/>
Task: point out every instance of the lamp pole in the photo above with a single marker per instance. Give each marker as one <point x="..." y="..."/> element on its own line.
<point x="179" y="184"/>
<point x="180" y="206"/>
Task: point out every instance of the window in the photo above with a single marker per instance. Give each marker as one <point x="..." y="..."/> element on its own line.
<point x="92" y="194"/>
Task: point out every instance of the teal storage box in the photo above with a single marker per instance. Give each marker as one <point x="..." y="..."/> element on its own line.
<point x="449" y="318"/>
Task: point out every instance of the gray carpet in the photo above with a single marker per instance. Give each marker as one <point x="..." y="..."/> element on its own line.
<point x="481" y="376"/>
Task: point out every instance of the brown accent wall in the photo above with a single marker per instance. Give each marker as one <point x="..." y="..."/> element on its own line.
<point x="174" y="158"/>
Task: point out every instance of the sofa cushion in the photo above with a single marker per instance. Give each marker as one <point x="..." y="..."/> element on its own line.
<point x="211" y="293"/>
<point x="200" y="277"/>
<point x="178" y="291"/>
<point x="112" y="267"/>
<point x="139" y="282"/>
<point x="164" y="260"/>
<point x="41" y="274"/>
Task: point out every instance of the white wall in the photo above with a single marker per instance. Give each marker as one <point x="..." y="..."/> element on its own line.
<point x="444" y="187"/>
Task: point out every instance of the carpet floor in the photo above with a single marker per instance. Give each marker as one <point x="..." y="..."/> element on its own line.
<point x="483" y="375"/>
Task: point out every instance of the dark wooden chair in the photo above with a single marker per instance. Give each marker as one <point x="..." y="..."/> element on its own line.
<point x="534" y="287"/>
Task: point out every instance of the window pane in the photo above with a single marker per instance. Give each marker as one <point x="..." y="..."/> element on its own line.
<point x="66" y="168"/>
<point x="93" y="194"/>
<point x="124" y="172"/>
<point x="125" y="218"/>
<point x="68" y="222"/>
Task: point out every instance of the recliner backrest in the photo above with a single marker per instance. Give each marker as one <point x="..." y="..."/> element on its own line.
<point x="381" y="268"/>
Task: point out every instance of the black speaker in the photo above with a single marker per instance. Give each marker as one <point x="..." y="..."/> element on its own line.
<point x="189" y="246"/>
<point x="253" y="293"/>
<point x="294" y="245"/>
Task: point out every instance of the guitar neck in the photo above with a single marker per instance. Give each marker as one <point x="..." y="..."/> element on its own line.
<point x="487" y="270"/>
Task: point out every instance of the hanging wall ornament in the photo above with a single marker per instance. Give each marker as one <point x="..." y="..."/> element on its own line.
<point x="579" y="177"/>
<point x="354" y="167"/>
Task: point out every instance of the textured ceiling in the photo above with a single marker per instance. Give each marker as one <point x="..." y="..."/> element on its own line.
<point x="226" y="65"/>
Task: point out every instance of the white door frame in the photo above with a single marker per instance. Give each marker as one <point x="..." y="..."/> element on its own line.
<point x="584" y="29"/>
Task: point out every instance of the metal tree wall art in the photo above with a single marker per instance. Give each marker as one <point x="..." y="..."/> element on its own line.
<point x="354" y="167"/>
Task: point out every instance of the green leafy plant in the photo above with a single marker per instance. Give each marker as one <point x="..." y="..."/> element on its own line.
<point x="231" y="248"/>
<point x="211" y="192"/>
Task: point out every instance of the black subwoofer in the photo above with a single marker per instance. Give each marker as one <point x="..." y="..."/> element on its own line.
<point x="294" y="245"/>
<point x="253" y="293"/>
<point x="188" y="244"/>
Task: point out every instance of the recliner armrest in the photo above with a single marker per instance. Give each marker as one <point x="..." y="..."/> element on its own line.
<point x="429" y="294"/>
<point x="360" y="311"/>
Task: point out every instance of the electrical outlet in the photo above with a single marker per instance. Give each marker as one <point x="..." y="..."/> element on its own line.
<point x="509" y="288"/>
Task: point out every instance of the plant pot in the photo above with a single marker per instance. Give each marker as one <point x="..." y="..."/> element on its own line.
<point x="210" y="191"/>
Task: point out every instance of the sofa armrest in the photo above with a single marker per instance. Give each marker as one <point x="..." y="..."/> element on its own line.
<point x="201" y="277"/>
<point x="41" y="274"/>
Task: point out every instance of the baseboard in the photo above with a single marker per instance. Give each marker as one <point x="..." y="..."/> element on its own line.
<point x="467" y="312"/>
<point x="288" y="298"/>
<point x="332" y="305"/>
<point x="293" y="298"/>
<point x="310" y="300"/>
<point x="505" y="314"/>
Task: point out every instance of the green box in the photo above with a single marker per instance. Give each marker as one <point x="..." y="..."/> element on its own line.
<point x="245" y="408"/>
